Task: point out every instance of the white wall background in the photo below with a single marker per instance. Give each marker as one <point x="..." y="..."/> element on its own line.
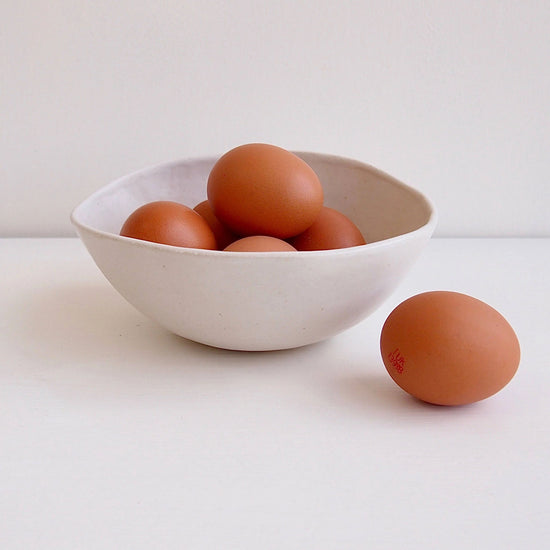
<point x="452" y="97"/>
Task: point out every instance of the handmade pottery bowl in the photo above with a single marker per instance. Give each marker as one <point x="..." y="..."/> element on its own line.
<point x="258" y="300"/>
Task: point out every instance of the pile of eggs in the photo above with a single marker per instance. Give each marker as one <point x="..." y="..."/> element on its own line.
<point x="442" y="347"/>
<point x="261" y="198"/>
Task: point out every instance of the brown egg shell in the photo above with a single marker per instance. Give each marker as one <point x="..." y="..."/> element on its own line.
<point x="330" y="230"/>
<point x="260" y="243"/>
<point x="262" y="189"/>
<point x="449" y="348"/>
<point x="224" y="236"/>
<point x="171" y="223"/>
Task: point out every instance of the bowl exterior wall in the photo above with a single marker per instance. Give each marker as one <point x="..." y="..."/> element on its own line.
<point x="253" y="303"/>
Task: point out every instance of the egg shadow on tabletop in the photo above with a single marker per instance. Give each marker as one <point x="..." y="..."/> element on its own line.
<point x="374" y="392"/>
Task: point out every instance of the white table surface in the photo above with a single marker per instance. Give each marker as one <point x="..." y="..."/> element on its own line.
<point x="116" y="434"/>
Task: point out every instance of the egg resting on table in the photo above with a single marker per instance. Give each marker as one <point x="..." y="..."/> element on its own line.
<point x="449" y="348"/>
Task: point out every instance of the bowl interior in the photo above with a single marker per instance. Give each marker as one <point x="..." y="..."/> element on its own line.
<point x="381" y="206"/>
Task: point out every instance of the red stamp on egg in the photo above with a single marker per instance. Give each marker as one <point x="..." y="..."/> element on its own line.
<point x="397" y="360"/>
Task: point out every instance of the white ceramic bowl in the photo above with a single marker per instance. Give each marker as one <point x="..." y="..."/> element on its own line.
<point x="258" y="301"/>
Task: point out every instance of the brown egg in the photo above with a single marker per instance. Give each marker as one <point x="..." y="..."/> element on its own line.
<point x="260" y="243"/>
<point x="448" y="348"/>
<point x="261" y="189"/>
<point x="330" y="230"/>
<point x="224" y="236"/>
<point x="171" y="223"/>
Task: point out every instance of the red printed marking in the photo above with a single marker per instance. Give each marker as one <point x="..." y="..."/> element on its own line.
<point x="397" y="360"/>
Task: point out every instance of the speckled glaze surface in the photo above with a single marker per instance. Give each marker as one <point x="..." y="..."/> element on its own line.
<point x="258" y="301"/>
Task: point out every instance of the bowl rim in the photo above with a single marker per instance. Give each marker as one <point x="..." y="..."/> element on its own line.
<point x="427" y="228"/>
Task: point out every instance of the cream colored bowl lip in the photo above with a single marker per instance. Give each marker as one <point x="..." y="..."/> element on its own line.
<point x="427" y="228"/>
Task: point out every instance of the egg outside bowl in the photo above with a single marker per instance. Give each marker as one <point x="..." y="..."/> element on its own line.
<point x="258" y="301"/>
